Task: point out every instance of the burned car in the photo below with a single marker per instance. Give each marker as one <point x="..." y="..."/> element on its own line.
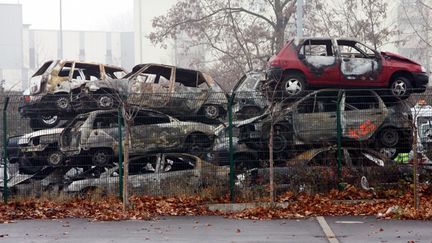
<point x="48" y="99"/>
<point x="180" y="92"/>
<point x="40" y="148"/>
<point x="317" y="170"/>
<point x="249" y="101"/>
<point x="95" y="135"/>
<point x="310" y="63"/>
<point x="312" y="120"/>
<point x="160" y="173"/>
<point x="244" y="157"/>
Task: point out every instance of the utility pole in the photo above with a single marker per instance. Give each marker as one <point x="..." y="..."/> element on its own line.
<point x="299" y="13"/>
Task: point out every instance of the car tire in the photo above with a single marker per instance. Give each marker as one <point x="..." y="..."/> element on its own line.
<point x="280" y="139"/>
<point x="388" y="137"/>
<point x="54" y="158"/>
<point x="62" y="102"/>
<point x="400" y="87"/>
<point x="211" y="112"/>
<point x="197" y="144"/>
<point x="293" y="85"/>
<point x="101" y="157"/>
<point x="389" y="153"/>
<point x="105" y="101"/>
<point x="44" y="122"/>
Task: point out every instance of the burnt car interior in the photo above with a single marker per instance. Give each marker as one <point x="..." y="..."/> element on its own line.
<point x="317" y="48"/>
<point x="353" y="49"/>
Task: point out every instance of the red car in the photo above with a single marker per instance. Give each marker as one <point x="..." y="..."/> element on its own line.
<point x="312" y="63"/>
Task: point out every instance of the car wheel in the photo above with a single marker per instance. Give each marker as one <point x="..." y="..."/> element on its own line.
<point x="62" y="102"/>
<point x="28" y="166"/>
<point x="105" y="101"/>
<point x="280" y="141"/>
<point x="197" y="144"/>
<point x="293" y="85"/>
<point x="101" y="157"/>
<point x="389" y="153"/>
<point x="54" y="158"/>
<point x="211" y="112"/>
<point x="44" y="121"/>
<point x="400" y="87"/>
<point x="389" y="137"/>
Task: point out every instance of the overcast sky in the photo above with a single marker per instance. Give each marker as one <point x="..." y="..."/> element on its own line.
<point x="86" y="14"/>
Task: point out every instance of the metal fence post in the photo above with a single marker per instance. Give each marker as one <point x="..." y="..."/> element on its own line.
<point x="231" y="147"/>
<point x="339" y="141"/>
<point x="5" y="155"/>
<point x="120" y="156"/>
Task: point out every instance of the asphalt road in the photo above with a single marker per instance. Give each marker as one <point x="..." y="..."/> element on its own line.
<point x="217" y="229"/>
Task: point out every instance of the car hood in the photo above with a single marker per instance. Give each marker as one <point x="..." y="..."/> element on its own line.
<point x="398" y="57"/>
<point x="26" y="138"/>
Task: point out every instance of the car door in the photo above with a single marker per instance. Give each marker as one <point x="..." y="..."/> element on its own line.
<point x="322" y="65"/>
<point x="153" y="131"/>
<point x="190" y="91"/>
<point x="152" y="86"/>
<point x="363" y="112"/>
<point x="314" y="117"/>
<point x="360" y="65"/>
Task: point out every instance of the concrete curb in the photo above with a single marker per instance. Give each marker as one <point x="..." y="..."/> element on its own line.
<point x="237" y="207"/>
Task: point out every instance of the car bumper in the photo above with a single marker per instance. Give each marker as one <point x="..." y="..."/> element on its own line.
<point x="421" y="81"/>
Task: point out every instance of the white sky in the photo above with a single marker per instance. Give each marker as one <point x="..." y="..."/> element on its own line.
<point x="86" y="14"/>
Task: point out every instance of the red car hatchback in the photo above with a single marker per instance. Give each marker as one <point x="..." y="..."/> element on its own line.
<point x="312" y="63"/>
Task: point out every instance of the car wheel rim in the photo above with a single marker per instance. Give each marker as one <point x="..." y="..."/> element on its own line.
<point x="55" y="159"/>
<point x="293" y="86"/>
<point x="388" y="152"/>
<point x="399" y="88"/>
<point x="49" y="119"/>
<point x="106" y="102"/>
<point x="211" y="111"/>
<point x="389" y="138"/>
<point x="62" y="103"/>
<point x="100" y="158"/>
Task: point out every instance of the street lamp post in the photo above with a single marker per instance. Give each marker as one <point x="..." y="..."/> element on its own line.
<point x="61" y="31"/>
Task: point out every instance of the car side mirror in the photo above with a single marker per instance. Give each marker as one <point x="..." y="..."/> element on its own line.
<point x="301" y="56"/>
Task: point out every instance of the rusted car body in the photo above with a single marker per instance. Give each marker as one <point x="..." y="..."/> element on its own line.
<point x="249" y="100"/>
<point x="317" y="170"/>
<point x="312" y="121"/>
<point x="39" y="149"/>
<point x="164" y="174"/>
<point x="180" y="92"/>
<point x="95" y="135"/>
<point x="313" y="62"/>
<point x="49" y="96"/>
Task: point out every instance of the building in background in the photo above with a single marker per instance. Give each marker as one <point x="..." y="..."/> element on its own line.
<point x="23" y="49"/>
<point x="11" y="44"/>
<point x="413" y="23"/>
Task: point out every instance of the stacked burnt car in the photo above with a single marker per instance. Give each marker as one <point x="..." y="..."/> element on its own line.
<point x="88" y="96"/>
<point x="312" y="85"/>
<point x="366" y="86"/>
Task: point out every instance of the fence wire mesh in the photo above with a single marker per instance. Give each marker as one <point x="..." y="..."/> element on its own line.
<point x="179" y="143"/>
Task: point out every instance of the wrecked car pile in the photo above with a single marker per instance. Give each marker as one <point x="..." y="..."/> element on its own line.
<point x="175" y="127"/>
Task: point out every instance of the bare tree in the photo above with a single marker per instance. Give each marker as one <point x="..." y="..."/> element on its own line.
<point x="365" y="20"/>
<point x="239" y="35"/>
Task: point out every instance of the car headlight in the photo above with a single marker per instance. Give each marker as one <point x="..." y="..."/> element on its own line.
<point x="423" y="69"/>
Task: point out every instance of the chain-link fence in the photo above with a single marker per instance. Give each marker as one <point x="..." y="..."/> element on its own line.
<point x="212" y="144"/>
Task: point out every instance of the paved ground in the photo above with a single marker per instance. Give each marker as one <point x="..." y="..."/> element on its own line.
<point x="218" y="229"/>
